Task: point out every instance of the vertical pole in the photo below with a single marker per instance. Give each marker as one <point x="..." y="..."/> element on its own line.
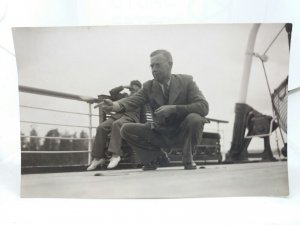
<point x="223" y="138"/>
<point x="90" y="134"/>
<point x="248" y="63"/>
<point x="101" y="114"/>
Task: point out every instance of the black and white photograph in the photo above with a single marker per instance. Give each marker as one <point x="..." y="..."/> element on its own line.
<point x="153" y="111"/>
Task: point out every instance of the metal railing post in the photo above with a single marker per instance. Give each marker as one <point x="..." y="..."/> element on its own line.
<point x="90" y="134"/>
<point x="101" y="113"/>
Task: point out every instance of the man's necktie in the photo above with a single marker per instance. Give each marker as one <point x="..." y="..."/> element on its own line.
<point x="166" y="93"/>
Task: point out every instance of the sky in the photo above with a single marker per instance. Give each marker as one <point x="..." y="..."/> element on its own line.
<point x="92" y="60"/>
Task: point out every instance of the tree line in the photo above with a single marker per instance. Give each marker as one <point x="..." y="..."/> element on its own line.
<point x="33" y="143"/>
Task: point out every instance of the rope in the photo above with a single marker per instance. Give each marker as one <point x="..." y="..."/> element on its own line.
<point x="274" y="40"/>
<point x="273" y="104"/>
<point x="265" y="73"/>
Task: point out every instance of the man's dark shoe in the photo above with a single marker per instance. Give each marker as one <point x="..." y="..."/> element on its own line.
<point x="149" y="166"/>
<point x="190" y="166"/>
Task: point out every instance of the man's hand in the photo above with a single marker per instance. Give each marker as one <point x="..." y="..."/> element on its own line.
<point x="165" y="111"/>
<point x="127" y="87"/>
<point x="110" y="106"/>
<point x="107" y="105"/>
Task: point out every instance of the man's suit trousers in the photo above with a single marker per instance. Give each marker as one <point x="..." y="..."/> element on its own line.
<point x="112" y="126"/>
<point x="147" y="142"/>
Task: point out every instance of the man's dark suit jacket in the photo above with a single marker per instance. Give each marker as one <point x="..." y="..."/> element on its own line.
<point x="138" y="114"/>
<point x="183" y="92"/>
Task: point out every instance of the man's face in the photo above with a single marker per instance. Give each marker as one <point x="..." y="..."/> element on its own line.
<point x="161" y="68"/>
<point x="134" y="88"/>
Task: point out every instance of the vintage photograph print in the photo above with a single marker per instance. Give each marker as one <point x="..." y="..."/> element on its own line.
<point x="156" y="111"/>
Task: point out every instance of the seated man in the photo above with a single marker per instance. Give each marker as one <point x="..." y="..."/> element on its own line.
<point x="113" y="125"/>
<point x="178" y="108"/>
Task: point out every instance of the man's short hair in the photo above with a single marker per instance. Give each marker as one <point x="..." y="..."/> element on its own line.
<point x="136" y="82"/>
<point x="165" y="53"/>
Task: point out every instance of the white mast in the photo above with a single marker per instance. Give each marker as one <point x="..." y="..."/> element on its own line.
<point x="248" y="63"/>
